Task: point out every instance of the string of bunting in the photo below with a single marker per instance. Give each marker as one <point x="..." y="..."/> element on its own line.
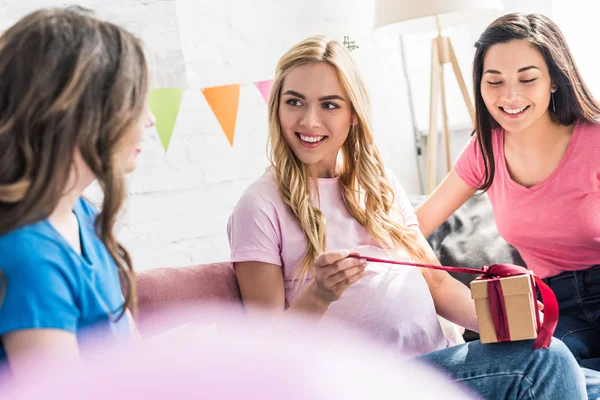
<point x="223" y="101"/>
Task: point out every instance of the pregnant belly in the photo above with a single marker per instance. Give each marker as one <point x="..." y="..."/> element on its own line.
<point x="392" y="306"/>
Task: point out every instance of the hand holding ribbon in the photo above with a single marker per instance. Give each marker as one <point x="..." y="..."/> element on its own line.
<point x="492" y="274"/>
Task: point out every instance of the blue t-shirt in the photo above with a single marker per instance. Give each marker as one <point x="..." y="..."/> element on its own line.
<point x="49" y="285"/>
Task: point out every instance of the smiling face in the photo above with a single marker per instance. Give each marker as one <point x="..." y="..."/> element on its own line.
<point x="315" y="115"/>
<point x="516" y="86"/>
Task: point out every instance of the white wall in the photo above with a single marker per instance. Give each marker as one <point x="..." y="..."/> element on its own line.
<point x="578" y="28"/>
<point x="180" y="201"/>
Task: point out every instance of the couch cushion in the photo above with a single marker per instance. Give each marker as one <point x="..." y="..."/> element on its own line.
<point x="208" y="282"/>
<point x="161" y="288"/>
<point x="469" y="238"/>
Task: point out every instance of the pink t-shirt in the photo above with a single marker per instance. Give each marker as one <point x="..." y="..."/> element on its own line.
<point x="555" y="224"/>
<point x="391" y="304"/>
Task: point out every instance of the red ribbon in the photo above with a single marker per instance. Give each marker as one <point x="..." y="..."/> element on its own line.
<point x="496" y="298"/>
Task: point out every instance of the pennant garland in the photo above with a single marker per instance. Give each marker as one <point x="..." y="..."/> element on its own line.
<point x="265" y="89"/>
<point x="164" y="104"/>
<point x="223" y="101"/>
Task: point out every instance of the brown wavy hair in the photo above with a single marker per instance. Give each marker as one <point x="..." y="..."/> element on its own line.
<point x="69" y="81"/>
<point x="366" y="191"/>
<point x="573" y="100"/>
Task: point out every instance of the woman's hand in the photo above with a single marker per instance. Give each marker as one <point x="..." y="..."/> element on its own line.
<point x="334" y="272"/>
<point x="262" y="284"/>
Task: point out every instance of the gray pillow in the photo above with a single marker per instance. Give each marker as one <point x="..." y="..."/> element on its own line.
<point x="469" y="238"/>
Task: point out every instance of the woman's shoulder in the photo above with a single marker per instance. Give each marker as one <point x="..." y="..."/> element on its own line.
<point x="28" y="240"/>
<point x="263" y="192"/>
<point x="472" y="149"/>
<point x="392" y="180"/>
<point x="590" y="131"/>
<point x="496" y="134"/>
<point x="30" y="249"/>
<point x="267" y="182"/>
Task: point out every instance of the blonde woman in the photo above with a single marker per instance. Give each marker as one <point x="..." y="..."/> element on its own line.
<point x="327" y="197"/>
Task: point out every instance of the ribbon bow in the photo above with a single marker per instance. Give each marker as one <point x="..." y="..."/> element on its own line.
<point x="492" y="274"/>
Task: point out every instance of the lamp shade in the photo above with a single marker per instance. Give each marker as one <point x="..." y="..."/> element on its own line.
<point x="455" y="11"/>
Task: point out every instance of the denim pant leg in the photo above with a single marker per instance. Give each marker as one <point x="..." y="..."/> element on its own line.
<point x="512" y="370"/>
<point x="592" y="383"/>
<point x="578" y="295"/>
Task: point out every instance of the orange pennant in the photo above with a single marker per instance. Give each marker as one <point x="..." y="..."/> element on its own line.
<point x="223" y="101"/>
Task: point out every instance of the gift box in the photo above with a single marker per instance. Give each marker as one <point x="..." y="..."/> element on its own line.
<point x="505" y="302"/>
<point x="512" y="313"/>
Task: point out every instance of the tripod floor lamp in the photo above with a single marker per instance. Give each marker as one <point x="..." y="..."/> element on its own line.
<point x="442" y="53"/>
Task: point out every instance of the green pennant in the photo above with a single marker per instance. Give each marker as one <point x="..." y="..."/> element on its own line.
<point x="164" y="104"/>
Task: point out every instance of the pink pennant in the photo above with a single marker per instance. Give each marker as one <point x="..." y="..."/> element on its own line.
<point x="265" y="89"/>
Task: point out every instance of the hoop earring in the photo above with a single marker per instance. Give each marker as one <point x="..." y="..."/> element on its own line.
<point x="553" y="106"/>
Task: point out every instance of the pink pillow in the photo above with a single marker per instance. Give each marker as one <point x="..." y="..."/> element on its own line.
<point x="163" y="288"/>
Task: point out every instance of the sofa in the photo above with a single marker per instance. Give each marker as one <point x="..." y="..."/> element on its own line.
<point x="467" y="239"/>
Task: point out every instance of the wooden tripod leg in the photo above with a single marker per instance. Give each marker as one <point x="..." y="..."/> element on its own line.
<point x="432" y="136"/>
<point x="461" y="83"/>
<point x="445" y="121"/>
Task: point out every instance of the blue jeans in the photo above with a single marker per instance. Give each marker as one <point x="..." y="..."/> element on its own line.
<point x="578" y="295"/>
<point x="515" y="371"/>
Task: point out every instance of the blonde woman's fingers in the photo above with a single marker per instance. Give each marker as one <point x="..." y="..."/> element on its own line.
<point x="331" y="257"/>
<point x="343" y="285"/>
<point x="345" y="275"/>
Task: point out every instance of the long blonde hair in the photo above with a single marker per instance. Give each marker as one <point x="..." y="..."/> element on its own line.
<point x="69" y="81"/>
<point x="363" y="177"/>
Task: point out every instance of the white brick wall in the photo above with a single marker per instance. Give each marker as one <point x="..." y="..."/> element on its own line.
<point x="180" y="201"/>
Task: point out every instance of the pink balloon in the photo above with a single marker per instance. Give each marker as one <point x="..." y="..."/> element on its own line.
<point x="222" y="354"/>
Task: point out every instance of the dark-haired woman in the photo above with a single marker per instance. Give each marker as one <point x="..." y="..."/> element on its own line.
<point x="73" y="108"/>
<point x="536" y="152"/>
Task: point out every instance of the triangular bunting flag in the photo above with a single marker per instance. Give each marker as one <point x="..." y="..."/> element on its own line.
<point x="164" y="104"/>
<point x="265" y="89"/>
<point x="223" y="101"/>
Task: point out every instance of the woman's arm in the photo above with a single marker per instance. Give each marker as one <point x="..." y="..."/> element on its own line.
<point x="262" y="284"/>
<point x="30" y="349"/>
<point x="445" y="199"/>
<point x="451" y="298"/>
